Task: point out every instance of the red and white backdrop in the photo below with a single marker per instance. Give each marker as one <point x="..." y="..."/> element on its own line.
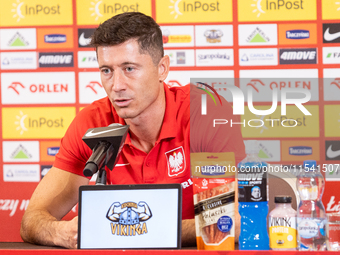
<point x="48" y="74"/>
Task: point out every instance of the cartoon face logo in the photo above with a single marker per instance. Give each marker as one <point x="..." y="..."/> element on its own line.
<point x="256" y="192"/>
<point x="176" y="161"/>
<point x="129" y="218"/>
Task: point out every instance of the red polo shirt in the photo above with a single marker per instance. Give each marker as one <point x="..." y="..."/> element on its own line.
<point x="167" y="162"/>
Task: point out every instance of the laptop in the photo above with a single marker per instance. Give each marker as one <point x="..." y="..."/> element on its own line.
<point x="143" y="216"/>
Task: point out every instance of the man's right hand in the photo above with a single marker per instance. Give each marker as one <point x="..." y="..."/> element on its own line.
<point x="53" y="198"/>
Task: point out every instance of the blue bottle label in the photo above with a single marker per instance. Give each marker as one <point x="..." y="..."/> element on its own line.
<point x="252" y="184"/>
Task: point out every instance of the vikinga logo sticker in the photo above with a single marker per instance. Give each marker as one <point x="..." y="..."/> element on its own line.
<point x="176" y="161"/>
<point x="128" y="219"/>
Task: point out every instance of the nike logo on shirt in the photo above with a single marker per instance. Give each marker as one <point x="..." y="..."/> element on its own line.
<point x="122" y="164"/>
<point x="331" y="153"/>
<point x="90" y="134"/>
<point x="330" y="37"/>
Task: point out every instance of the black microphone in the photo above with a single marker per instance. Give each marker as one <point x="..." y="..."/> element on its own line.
<point x="106" y="144"/>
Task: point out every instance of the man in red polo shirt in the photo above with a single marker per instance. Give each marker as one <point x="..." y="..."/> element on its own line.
<point x="133" y="69"/>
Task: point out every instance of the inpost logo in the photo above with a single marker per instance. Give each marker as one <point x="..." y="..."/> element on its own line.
<point x="36" y="122"/>
<point x="181" y="11"/>
<point x="36" y="12"/>
<point x="330" y="9"/>
<point x="272" y="10"/>
<point x="93" y="12"/>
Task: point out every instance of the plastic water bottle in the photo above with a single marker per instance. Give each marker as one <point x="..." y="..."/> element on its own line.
<point x="252" y="198"/>
<point x="311" y="216"/>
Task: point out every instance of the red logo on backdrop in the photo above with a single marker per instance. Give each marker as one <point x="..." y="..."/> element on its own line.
<point x="174" y="83"/>
<point x="176" y="161"/>
<point x="14" y="86"/>
<point x="336" y="82"/>
<point x="280" y="84"/>
<point x="254" y="82"/>
<point x="92" y="86"/>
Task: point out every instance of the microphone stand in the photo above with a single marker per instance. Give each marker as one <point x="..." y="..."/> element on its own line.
<point x="101" y="177"/>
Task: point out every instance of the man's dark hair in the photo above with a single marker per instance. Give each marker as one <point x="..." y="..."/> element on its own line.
<point x="131" y="25"/>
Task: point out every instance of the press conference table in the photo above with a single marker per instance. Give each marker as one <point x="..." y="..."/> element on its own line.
<point x="31" y="249"/>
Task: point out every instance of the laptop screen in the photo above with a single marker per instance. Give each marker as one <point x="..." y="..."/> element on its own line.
<point x="130" y="216"/>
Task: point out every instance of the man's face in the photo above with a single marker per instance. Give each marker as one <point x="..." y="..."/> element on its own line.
<point x="256" y="193"/>
<point x="131" y="80"/>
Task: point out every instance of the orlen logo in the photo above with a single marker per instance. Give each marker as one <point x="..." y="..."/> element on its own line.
<point x="297" y="34"/>
<point x="93" y="86"/>
<point x="336" y="82"/>
<point x="257" y="83"/>
<point x="55" y="38"/>
<point x="300" y="150"/>
<point x="15" y="86"/>
<point x="52" y="151"/>
<point x="39" y="88"/>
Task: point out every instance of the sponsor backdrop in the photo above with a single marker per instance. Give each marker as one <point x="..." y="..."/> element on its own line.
<point x="48" y="74"/>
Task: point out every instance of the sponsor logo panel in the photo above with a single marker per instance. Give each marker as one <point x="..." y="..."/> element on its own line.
<point x="293" y="124"/>
<point x="94" y="12"/>
<point x="36" y="122"/>
<point x="21" y="173"/>
<point x="214" y="35"/>
<point x="18" y="39"/>
<point x="33" y="88"/>
<point x="298" y="56"/>
<point x="304" y="33"/>
<point x="269" y="150"/>
<point x="178" y="11"/>
<point x="262" y="82"/>
<point x="36" y="13"/>
<point x="333" y="150"/>
<point x="20" y="151"/>
<point x="181" y="57"/>
<point x="274" y="10"/>
<point x="258" y="57"/>
<point x="56" y="59"/>
<point x="84" y="37"/>
<point x="215" y="57"/>
<point x="331" y="55"/>
<point x="257" y="34"/>
<point x="90" y="87"/>
<point x="332" y="120"/>
<point x="330" y="9"/>
<point x="18" y="60"/>
<point x="299" y="150"/>
<point x="331" y="32"/>
<point x="87" y="59"/>
<point x="331" y="84"/>
<point x="178" y="36"/>
<point x="44" y="170"/>
<point x="55" y="38"/>
<point x="48" y="150"/>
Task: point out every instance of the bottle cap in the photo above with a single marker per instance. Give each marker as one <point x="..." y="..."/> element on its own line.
<point x="283" y="199"/>
<point x="252" y="147"/>
<point x="310" y="165"/>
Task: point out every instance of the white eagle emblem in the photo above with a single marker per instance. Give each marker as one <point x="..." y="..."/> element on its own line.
<point x="176" y="161"/>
